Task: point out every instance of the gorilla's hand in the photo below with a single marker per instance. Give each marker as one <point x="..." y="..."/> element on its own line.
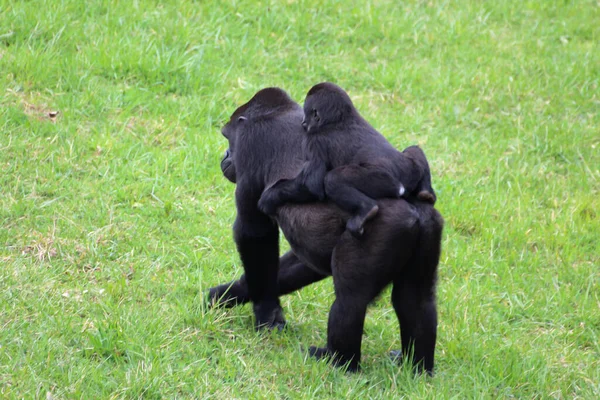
<point x="270" y="200"/>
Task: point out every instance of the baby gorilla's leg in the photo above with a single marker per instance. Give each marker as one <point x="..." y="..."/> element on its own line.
<point x="355" y="188"/>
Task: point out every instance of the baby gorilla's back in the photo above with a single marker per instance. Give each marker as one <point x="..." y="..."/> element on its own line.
<point x="348" y="161"/>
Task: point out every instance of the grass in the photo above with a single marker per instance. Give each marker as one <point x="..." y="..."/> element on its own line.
<point x="115" y="219"/>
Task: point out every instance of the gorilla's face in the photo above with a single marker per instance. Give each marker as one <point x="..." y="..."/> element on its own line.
<point x="230" y="131"/>
<point x="228" y="167"/>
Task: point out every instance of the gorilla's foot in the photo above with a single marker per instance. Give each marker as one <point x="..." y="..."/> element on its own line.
<point x="336" y="359"/>
<point x="269" y="316"/>
<point x="318" y="352"/>
<point x="396" y="356"/>
<point x="356" y="224"/>
<point x="227" y="295"/>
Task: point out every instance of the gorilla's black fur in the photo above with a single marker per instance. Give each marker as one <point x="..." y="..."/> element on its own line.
<point x="349" y="162"/>
<point x="402" y="246"/>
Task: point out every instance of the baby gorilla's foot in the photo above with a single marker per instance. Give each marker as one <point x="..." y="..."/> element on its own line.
<point x="426" y="196"/>
<point x="401" y="190"/>
<point x="356" y="224"/>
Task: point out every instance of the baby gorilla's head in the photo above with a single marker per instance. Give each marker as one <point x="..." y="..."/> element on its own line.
<point x="326" y="104"/>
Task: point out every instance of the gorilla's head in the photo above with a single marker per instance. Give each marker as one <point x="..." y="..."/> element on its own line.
<point x="326" y="103"/>
<point x="265" y="104"/>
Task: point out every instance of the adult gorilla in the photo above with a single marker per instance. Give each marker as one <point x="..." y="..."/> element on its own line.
<point x="401" y="246"/>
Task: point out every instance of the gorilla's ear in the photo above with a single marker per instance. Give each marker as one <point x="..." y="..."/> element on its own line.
<point x="242" y="119"/>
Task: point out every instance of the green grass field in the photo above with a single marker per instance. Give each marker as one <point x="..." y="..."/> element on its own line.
<point x="115" y="218"/>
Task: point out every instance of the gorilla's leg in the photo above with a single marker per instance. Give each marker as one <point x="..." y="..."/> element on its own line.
<point x="354" y="188"/>
<point x="416" y="310"/>
<point x="413" y="294"/>
<point x="344" y="332"/>
<point x="347" y="315"/>
<point x="293" y="275"/>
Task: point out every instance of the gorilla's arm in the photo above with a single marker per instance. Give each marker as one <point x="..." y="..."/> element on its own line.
<point x="257" y="240"/>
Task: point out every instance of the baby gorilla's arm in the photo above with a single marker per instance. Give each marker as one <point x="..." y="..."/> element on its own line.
<point x="313" y="177"/>
<point x="285" y="191"/>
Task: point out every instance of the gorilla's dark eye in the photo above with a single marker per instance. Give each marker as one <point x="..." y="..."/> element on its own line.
<point x="315" y="113"/>
<point x="242" y="118"/>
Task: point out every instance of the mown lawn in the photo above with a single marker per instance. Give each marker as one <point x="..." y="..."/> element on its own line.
<point x="115" y="218"/>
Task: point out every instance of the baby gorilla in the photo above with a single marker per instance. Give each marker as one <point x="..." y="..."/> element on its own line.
<point x="349" y="162"/>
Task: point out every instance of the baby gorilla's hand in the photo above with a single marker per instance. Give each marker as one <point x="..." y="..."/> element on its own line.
<point x="269" y="202"/>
